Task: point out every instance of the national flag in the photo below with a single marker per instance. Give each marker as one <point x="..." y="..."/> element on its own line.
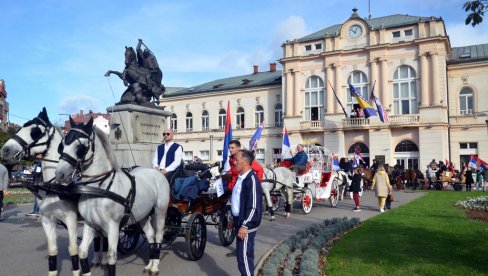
<point x="365" y="106"/>
<point x="447" y="163"/>
<point x="285" y="145"/>
<point x="335" y="162"/>
<point x="358" y="157"/>
<point x="476" y="163"/>
<point x="253" y="143"/>
<point x="381" y="111"/>
<point x="227" y="139"/>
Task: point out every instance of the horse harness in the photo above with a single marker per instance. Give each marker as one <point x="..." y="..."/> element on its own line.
<point x="36" y="134"/>
<point x="274" y="181"/>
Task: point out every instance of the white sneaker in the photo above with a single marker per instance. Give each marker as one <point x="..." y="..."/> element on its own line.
<point x="382" y="210"/>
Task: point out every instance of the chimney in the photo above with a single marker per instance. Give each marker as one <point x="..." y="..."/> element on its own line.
<point x="272" y="67"/>
<point x="256" y="69"/>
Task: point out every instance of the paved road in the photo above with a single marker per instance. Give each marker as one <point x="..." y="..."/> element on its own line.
<point x="23" y="246"/>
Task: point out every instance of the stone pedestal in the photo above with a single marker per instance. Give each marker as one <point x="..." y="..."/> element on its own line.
<point x="135" y="133"/>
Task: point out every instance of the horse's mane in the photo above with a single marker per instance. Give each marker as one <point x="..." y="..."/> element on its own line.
<point x="107" y="147"/>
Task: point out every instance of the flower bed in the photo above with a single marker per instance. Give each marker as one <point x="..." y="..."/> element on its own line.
<point x="476" y="207"/>
<point x="18" y="196"/>
<point x="300" y="253"/>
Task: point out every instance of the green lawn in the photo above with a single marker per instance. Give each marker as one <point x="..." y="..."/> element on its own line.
<point x="429" y="236"/>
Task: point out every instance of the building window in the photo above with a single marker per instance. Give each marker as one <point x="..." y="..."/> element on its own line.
<point x="205" y="120"/>
<point x="408" y="32"/>
<point x="314" y="99"/>
<point x="466" y="101"/>
<point x="359" y="80"/>
<point x="318" y="46"/>
<point x="396" y="34"/>
<point x="404" y="91"/>
<point x="260" y="156"/>
<point x="174" y="123"/>
<point x="308" y="48"/>
<point x="276" y="155"/>
<point x="204" y="155"/>
<point x="466" y="150"/>
<point x="407" y="155"/>
<point x="222" y="119"/>
<point x="219" y="155"/>
<point x="189" y="122"/>
<point x="259" y="115"/>
<point x="240" y="118"/>
<point x="278" y="115"/>
<point x="188" y="156"/>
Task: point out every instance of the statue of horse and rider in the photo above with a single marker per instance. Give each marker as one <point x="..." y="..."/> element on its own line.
<point x="141" y="75"/>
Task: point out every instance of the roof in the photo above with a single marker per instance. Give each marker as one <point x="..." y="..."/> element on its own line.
<point x="238" y="82"/>
<point x="385" y="22"/>
<point x="469" y="53"/>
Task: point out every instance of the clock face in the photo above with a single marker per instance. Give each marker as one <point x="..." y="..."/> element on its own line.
<point x="355" y="31"/>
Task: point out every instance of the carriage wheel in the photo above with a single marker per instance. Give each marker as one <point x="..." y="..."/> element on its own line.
<point x="334" y="194"/>
<point x="307" y="200"/>
<point x="128" y="238"/>
<point x="438" y="186"/>
<point x="227" y="230"/>
<point x="196" y="236"/>
<point x="458" y="187"/>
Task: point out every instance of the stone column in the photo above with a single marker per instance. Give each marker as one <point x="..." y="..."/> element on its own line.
<point x="436" y="100"/>
<point x="330" y="94"/>
<point x="297" y="83"/>
<point x="385" y="92"/>
<point x="374" y="74"/>
<point x="338" y="88"/>
<point x="424" y="81"/>
<point x="289" y="95"/>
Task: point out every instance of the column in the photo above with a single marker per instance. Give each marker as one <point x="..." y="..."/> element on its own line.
<point x="297" y="83"/>
<point x="385" y="92"/>
<point x="338" y="88"/>
<point x="330" y="94"/>
<point x="424" y="81"/>
<point x="289" y="95"/>
<point x="435" y="80"/>
<point x="374" y="74"/>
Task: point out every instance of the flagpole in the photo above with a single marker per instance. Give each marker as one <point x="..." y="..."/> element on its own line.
<point x="337" y="98"/>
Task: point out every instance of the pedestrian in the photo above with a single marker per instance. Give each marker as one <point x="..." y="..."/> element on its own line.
<point x="235" y="147"/>
<point x="480" y="179"/>
<point x="168" y="157"/>
<point x="469" y="179"/>
<point x="355" y="187"/>
<point x="4" y="180"/>
<point x="430" y="173"/>
<point x="246" y="206"/>
<point x="37" y="180"/>
<point x="381" y="184"/>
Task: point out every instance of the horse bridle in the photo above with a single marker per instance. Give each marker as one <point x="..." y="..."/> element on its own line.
<point x="26" y="147"/>
<point x="76" y="134"/>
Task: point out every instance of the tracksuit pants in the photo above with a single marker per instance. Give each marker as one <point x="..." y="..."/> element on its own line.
<point x="245" y="253"/>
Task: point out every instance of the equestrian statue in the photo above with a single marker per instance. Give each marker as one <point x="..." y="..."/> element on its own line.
<point x="141" y="75"/>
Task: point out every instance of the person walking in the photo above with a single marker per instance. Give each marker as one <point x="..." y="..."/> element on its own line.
<point x="168" y="157"/>
<point x="246" y="206"/>
<point x="355" y="187"/>
<point x="36" y="181"/>
<point x="469" y="179"/>
<point x="480" y="179"/>
<point x="381" y="184"/>
<point x="4" y="180"/>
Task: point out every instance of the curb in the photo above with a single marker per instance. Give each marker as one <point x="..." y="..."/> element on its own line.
<point x="265" y="256"/>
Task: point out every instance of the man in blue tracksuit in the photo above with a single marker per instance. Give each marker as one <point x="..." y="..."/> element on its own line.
<point x="246" y="206"/>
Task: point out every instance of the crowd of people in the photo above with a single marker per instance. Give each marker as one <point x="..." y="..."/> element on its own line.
<point x="467" y="175"/>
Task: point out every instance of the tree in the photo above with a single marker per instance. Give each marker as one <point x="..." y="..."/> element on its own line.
<point x="476" y="10"/>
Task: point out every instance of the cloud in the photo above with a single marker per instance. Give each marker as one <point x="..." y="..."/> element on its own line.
<point x="464" y="35"/>
<point x="74" y="104"/>
<point x="289" y="29"/>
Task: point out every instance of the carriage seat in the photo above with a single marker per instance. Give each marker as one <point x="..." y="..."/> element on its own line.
<point x="287" y="164"/>
<point x="188" y="188"/>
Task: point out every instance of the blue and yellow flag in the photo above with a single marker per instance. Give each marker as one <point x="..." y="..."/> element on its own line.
<point x="365" y="106"/>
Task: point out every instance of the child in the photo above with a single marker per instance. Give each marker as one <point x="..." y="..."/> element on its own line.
<point x="356" y="187"/>
<point x="388" y="201"/>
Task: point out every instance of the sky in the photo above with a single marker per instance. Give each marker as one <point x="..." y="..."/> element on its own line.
<point x="54" y="54"/>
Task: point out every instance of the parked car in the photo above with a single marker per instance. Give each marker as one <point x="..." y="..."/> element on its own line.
<point x="22" y="176"/>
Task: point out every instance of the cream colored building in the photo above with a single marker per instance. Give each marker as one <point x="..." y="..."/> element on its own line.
<point x="435" y="95"/>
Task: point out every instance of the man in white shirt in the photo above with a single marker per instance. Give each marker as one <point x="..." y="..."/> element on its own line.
<point x="168" y="157"/>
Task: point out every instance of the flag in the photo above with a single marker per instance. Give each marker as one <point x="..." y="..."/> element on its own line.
<point x="447" y="163"/>
<point x="285" y="145"/>
<point x="335" y="162"/>
<point x="358" y="157"/>
<point x="365" y="106"/>
<point x="477" y="163"/>
<point x="225" y="151"/>
<point x="381" y="111"/>
<point x="253" y="143"/>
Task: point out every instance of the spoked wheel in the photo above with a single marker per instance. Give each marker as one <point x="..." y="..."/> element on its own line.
<point x="129" y="238"/>
<point x="227" y="231"/>
<point x="438" y="186"/>
<point x="458" y="187"/>
<point x="196" y="236"/>
<point x="334" y="194"/>
<point x="307" y="200"/>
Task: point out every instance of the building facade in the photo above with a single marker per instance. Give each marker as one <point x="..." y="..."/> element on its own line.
<point x="101" y="120"/>
<point x="4" y="107"/>
<point x="434" y="95"/>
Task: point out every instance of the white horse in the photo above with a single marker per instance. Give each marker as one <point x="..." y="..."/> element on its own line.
<point x="343" y="182"/>
<point x="278" y="179"/>
<point x="108" y="194"/>
<point x="39" y="136"/>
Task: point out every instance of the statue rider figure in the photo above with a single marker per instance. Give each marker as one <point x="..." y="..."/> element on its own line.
<point x="146" y="59"/>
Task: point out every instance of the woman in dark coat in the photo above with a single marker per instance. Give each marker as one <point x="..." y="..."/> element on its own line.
<point x="469" y="179"/>
<point x="355" y="187"/>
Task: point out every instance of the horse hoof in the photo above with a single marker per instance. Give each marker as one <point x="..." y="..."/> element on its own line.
<point x="76" y="273"/>
<point x="272" y="218"/>
<point x="287" y="215"/>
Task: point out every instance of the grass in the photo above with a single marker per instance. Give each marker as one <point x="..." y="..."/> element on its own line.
<point x="429" y="236"/>
<point x="18" y="196"/>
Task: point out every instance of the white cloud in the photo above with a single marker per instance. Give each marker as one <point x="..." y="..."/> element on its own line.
<point x="464" y="35"/>
<point x="289" y="29"/>
<point x="74" y="104"/>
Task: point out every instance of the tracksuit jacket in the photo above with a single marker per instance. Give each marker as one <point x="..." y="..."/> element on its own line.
<point x="251" y="205"/>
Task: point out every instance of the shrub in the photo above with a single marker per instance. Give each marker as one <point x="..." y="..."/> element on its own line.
<point x="474" y="203"/>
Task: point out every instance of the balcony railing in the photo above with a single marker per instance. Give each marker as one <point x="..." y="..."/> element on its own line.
<point x="404" y="119"/>
<point x="355" y="122"/>
<point x="312" y="124"/>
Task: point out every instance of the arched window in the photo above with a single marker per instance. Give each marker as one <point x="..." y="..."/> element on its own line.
<point x="466" y="101"/>
<point x="314" y="99"/>
<point x="362" y="149"/>
<point x="278" y="115"/>
<point x="407" y="155"/>
<point x="259" y="115"/>
<point x="240" y="117"/>
<point x="405" y="91"/>
<point x="406" y="146"/>
<point x="205" y="120"/>
<point x="174" y="123"/>
<point x="222" y="118"/>
<point x="189" y="122"/>
<point x="360" y="81"/>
